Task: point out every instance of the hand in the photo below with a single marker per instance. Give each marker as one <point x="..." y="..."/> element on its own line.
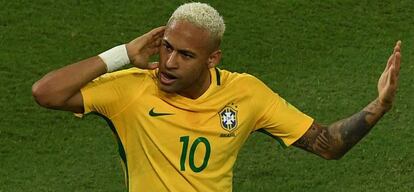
<point x="388" y="82"/>
<point x="143" y="47"/>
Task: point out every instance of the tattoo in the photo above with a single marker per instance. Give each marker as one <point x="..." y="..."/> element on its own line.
<point x="315" y="139"/>
<point x="333" y="141"/>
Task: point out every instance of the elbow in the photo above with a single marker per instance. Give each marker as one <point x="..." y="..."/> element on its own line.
<point x="42" y="95"/>
<point x="333" y="156"/>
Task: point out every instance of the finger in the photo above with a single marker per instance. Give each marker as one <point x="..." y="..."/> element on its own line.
<point x="159" y="29"/>
<point x="391" y="59"/>
<point x="154" y="40"/>
<point x="157" y="32"/>
<point x="153" y="50"/>
<point x="389" y="62"/>
<point x="150" y="36"/>
<point x="392" y="77"/>
<point x="398" y="46"/>
<point x="397" y="63"/>
<point x="156" y="43"/>
<point x="153" y="65"/>
<point x="397" y="56"/>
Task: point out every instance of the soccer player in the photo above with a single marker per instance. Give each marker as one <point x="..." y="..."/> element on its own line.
<point x="181" y="121"/>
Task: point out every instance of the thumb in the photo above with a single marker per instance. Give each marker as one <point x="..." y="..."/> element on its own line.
<point x="153" y="65"/>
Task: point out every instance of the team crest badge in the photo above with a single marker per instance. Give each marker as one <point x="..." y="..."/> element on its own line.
<point x="228" y="118"/>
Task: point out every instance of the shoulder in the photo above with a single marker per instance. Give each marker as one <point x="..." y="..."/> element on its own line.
<point x="127" y="73"/>
<point x="243" y="81"/>
<point x="111" y="92"/>
<point x="125" y="76"/>
<point x="228" y="77"/>
<point x="124" y="83"/>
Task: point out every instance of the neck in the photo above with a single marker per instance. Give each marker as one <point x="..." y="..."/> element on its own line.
<point x="198" y="88"/>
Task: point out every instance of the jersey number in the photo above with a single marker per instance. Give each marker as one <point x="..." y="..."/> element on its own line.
<point x="185" y="141"/>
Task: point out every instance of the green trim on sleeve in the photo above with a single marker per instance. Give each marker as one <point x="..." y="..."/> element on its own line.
<point x="121" y="149"/>
<point x="274" y="137"/>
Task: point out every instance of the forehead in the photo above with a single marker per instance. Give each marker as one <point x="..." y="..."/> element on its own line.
<point x="185" y="35"/>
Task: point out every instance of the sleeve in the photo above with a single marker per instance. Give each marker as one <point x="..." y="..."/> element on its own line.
<point x="109" y="94"/>
<point x="277" y="117"/>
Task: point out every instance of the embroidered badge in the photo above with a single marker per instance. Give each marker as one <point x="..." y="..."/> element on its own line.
<point x="228" y="118"/>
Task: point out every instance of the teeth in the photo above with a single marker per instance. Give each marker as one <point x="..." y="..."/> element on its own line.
<point x="167" y="79"/>
<point x="169" y="76"/>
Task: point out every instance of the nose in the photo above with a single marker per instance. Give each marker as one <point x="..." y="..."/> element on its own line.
<point x="172" y="60"/>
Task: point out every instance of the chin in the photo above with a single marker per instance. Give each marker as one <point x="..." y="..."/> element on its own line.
<point x="166" y="88"/>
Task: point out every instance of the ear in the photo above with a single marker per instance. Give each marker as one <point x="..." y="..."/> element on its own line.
<point x="214" y="59"/>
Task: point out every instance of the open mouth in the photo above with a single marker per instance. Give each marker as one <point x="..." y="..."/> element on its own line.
<point x="167" y="78"/>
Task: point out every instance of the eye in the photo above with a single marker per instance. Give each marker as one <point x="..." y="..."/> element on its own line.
<point x="168" y="47"/>
<point x="187" y="56"/>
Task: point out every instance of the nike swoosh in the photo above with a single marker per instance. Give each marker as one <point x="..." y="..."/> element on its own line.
<point x="152" y="113"/>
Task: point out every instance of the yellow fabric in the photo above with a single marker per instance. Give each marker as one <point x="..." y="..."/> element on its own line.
<point x="193" y="144"/>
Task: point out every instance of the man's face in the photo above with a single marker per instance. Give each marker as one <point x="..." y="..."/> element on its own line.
<point x="184" y="57"/>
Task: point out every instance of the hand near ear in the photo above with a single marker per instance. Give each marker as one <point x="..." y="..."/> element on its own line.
<point x="143" y="47"/>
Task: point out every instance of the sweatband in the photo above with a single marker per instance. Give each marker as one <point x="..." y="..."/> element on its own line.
<point x="115" y="58"/>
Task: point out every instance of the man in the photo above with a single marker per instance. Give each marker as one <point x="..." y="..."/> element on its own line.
<point x="181" y="121"/>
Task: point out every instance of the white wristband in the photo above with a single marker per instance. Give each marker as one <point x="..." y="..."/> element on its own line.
<point x="115" y="58"/>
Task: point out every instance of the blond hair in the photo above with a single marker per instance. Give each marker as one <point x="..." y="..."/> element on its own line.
<point x="201" y="15"/>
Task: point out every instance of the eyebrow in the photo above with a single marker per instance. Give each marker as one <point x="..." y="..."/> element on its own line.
<point x="182" y="51"/>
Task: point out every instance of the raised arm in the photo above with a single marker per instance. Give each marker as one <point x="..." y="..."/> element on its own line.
<point x="60" y="89"/>
<point x="333" y="141"/>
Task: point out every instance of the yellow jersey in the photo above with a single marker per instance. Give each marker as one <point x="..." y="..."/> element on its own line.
<point x="172" y="143"/>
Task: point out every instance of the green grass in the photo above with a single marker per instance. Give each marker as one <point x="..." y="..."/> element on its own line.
<point x="325" y="58"/>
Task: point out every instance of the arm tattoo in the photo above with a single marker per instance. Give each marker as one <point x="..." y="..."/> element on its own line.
<point x="333" y="141"/>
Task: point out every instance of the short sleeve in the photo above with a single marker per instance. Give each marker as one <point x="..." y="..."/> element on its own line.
<point x="277" y="117"/>
<point x="109" y="94"/>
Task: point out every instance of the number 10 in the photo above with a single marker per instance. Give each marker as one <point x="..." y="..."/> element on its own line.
<point x="185" y="140"/>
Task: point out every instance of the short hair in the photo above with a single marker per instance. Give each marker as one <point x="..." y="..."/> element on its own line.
<point x="201" y="15"/>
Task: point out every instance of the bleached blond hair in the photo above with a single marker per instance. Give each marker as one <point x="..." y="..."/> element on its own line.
<point x="201" y="15"/>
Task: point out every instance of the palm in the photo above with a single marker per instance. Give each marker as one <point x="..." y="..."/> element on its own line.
<point x="388" y="82"/>
<point x="143" y="47"/>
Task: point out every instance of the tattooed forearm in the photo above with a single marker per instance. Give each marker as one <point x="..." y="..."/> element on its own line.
<point x="316" y="140"/>
<point x="354" y="128"/>
<point x="333" y="141"/>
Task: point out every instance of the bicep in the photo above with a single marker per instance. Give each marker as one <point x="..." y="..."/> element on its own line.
<point x="74" y="104"/>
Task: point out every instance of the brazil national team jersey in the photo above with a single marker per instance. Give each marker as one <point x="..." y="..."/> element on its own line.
<point x="172" y="143"/>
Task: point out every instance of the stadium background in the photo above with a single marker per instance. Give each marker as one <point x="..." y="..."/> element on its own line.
<point x="324" y="57"/>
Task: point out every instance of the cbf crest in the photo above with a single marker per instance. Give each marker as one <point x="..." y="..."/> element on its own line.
<point x="228" y="118"/>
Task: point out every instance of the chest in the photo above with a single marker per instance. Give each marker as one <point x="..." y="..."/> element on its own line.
<point x="226" y="124"/>
<point x="202" y="136"/>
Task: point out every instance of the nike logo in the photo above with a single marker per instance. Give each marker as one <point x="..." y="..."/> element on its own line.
<point x="152" y="113"/>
